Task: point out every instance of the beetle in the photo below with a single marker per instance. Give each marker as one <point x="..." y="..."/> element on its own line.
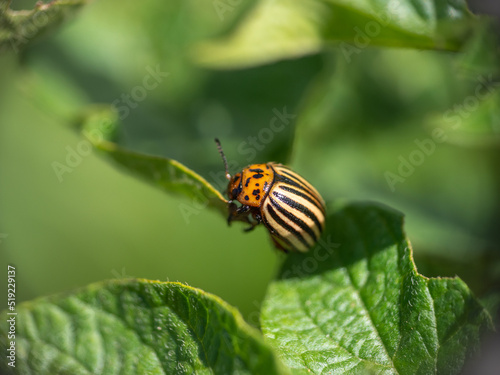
<point x="290" y="208"/>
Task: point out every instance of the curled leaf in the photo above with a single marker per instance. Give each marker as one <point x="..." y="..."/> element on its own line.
<point x="100" y="125"/>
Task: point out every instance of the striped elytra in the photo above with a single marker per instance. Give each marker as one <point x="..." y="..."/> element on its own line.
<point x="270" y="193"/>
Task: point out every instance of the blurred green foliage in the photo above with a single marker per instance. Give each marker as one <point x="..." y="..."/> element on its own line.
<point x="355" y="119"/>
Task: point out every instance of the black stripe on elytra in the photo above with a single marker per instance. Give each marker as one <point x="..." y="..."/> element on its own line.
<point x="290" y="216"/>
<point x="298" y="185"/>
<point x="304" y="185"/>
<point x="284" y="225"/>
<point x="301" y="194"/>
<point x="299" y="179"/>
<point x="276" y="234"/>
<point x="291" y="203"/>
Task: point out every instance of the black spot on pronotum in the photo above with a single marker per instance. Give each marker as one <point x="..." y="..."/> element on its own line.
<point x="256" y="170"/>
<point x="257" y="197"/>
<point x="248" y="180"/>
<point x="247" y="197"/>
<point x="258" y="175"/>
<point x="256" y="192"/>
<point x="257" y="184"/>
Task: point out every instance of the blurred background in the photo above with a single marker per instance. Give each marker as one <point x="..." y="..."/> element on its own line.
<point x="417" y="130"/>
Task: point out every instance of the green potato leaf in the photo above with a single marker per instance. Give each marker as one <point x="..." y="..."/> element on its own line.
<point x="20" y="27"/>
<point x="281" y="29"/>
<point x="100" y="125"/>
<point x="136" y="327"/>
<point x="356" y="303"/>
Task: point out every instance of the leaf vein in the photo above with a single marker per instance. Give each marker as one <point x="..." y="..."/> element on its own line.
<point x="362" y="301"/>
<point x="124" y="322"/>
<point x="59" y="350"/>
<point x="316" y="323"/>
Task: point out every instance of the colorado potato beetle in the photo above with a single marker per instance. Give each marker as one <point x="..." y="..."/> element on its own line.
<point x="270" y="193"/>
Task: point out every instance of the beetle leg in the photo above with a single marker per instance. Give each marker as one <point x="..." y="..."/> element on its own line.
<point x="257" y="221"/>
<point x="243" y="213"/>
<point x="253" y="224"/>
<point x="238" y="213"/>
<point x="243" y="210"/>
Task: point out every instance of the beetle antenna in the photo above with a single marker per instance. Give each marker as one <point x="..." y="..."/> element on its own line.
<point x="219" y="147"/>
